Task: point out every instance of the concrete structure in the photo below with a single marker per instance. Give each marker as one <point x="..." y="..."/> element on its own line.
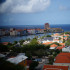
<point x="47" y="39"/>
<point x="47" y="26"/>
<point x="38" y="31"/>
<point x="19" y="32"/>
<point x="2" y="32"/>
<point x="66" y="49"/>
<point x="50" y="39"/>
<point x="13" y="32"/>
<point x="31" y="31"/>
<point x="19" y="59"/>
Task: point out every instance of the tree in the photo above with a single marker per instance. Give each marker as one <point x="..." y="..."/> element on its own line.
<point x="48" y="36"/>
<point x="51" y="59"/>
<point x="68" y="42"/>
<point x="15" y="42"/>
<point x="59" y="38"/>
<point x="63" y="40"/>
<point x="34" y="42"/>
<point x="33" y="65"/>
<point x="4" y="48"/>
<point x="21" y="42"/>
<point x="57" y="43"/>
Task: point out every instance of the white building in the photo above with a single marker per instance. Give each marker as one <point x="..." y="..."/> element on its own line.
<point x="19" y="58"/>
<point x="66" y="49"/>
<point x="13" y="32"/>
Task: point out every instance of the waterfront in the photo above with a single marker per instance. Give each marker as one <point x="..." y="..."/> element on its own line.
<point x="18" y="38"/>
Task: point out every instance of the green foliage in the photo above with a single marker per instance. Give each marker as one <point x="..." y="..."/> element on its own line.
<point x="34" y="41"/>
<point x="47" y="46"/>
<point x="63" y="40"/>
<point x="57" y="43"/>
<point x="51" y="59"/>
<point x="4" y="48"/>
<point x="16" y="49"/>
<point x="68" y="42"/>
<point x="5" y="65"/>
<point x="21" y="42"/>
<point x="59" y="38"/>
<point x="33" y="65"/>
<point x="48" y="36"/>
<point x="67" y="33"/>
<point x="15" y="42"/>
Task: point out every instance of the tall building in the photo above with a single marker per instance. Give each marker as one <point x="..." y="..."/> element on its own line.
<point x="47" y="26"/>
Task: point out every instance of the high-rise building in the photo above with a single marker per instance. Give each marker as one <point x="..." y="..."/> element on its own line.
<point x="47" y="26"/>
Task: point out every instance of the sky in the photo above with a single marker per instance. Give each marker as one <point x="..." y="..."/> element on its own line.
<point x="34" y="12"/>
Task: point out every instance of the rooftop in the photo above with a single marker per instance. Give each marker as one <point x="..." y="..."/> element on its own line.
<point x="53" y="45"/>
<point x="47" y="43"/>
<point x="48" y="38"/>
<point x="17" y="59"/>
<point x="60" y="47"/>
<point x="53" y="67"/>
<point x="62" y="58"/>
<point x="4" y="43"/>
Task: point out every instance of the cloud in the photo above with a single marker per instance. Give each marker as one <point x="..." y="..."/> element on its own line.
<point x="64" y="8"/>
<point x="23" y="6"/>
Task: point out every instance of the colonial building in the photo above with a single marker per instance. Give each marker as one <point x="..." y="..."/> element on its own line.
<point x="62" y="59"/>
<point x="47" y="26"/>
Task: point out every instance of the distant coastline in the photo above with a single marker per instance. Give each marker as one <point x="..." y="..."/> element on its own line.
<point x="66" y="27"/>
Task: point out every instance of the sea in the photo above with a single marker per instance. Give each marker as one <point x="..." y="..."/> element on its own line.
<point x="66" y="28"/>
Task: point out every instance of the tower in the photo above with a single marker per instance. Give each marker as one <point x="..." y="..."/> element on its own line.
<point x="47" y="26"/>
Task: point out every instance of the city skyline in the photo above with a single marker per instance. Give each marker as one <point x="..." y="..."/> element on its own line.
<point x="34" y="12"/>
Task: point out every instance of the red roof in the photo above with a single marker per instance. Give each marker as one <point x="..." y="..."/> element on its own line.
<point x="62" y="43"/>
<point x="53" y="45"/>
<point x="47" y="43"/>
<point x="54" y="67"/>
<point x="60" y="47"/>
<point x="5" y="43"/>
<point x="57" y="34"/>
<point x="62" y="58"/>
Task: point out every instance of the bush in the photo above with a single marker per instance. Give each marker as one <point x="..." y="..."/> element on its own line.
<point x="33" y="65"/>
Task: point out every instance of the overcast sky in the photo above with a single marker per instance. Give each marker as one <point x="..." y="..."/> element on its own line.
<point x="34" y="12"/>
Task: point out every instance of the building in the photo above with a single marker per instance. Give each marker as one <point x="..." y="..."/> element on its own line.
<point x="47" y="39"/>
<point x="31" y="31"/>
<point x="39" y="31"/>
<point x="2" y="32"/>
<point x="25" y="32"/>
<point x="62" y="59"/>
<point x="19" y="32"/>
<point x="47" y="26"/>
<point x="13" y="32"/>
<point x="50" y="39"/>
<point x="66" y="49"/>
<point x="53" y="46"/>
<point x="5" y="43"/>
<point x="54" y="67"/>
<point x="47" y="43"/>
<point x="60" y="47"/>
<point x="18" y="59"/>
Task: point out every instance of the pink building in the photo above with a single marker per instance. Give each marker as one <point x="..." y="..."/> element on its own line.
<point x="47" y="26"/>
